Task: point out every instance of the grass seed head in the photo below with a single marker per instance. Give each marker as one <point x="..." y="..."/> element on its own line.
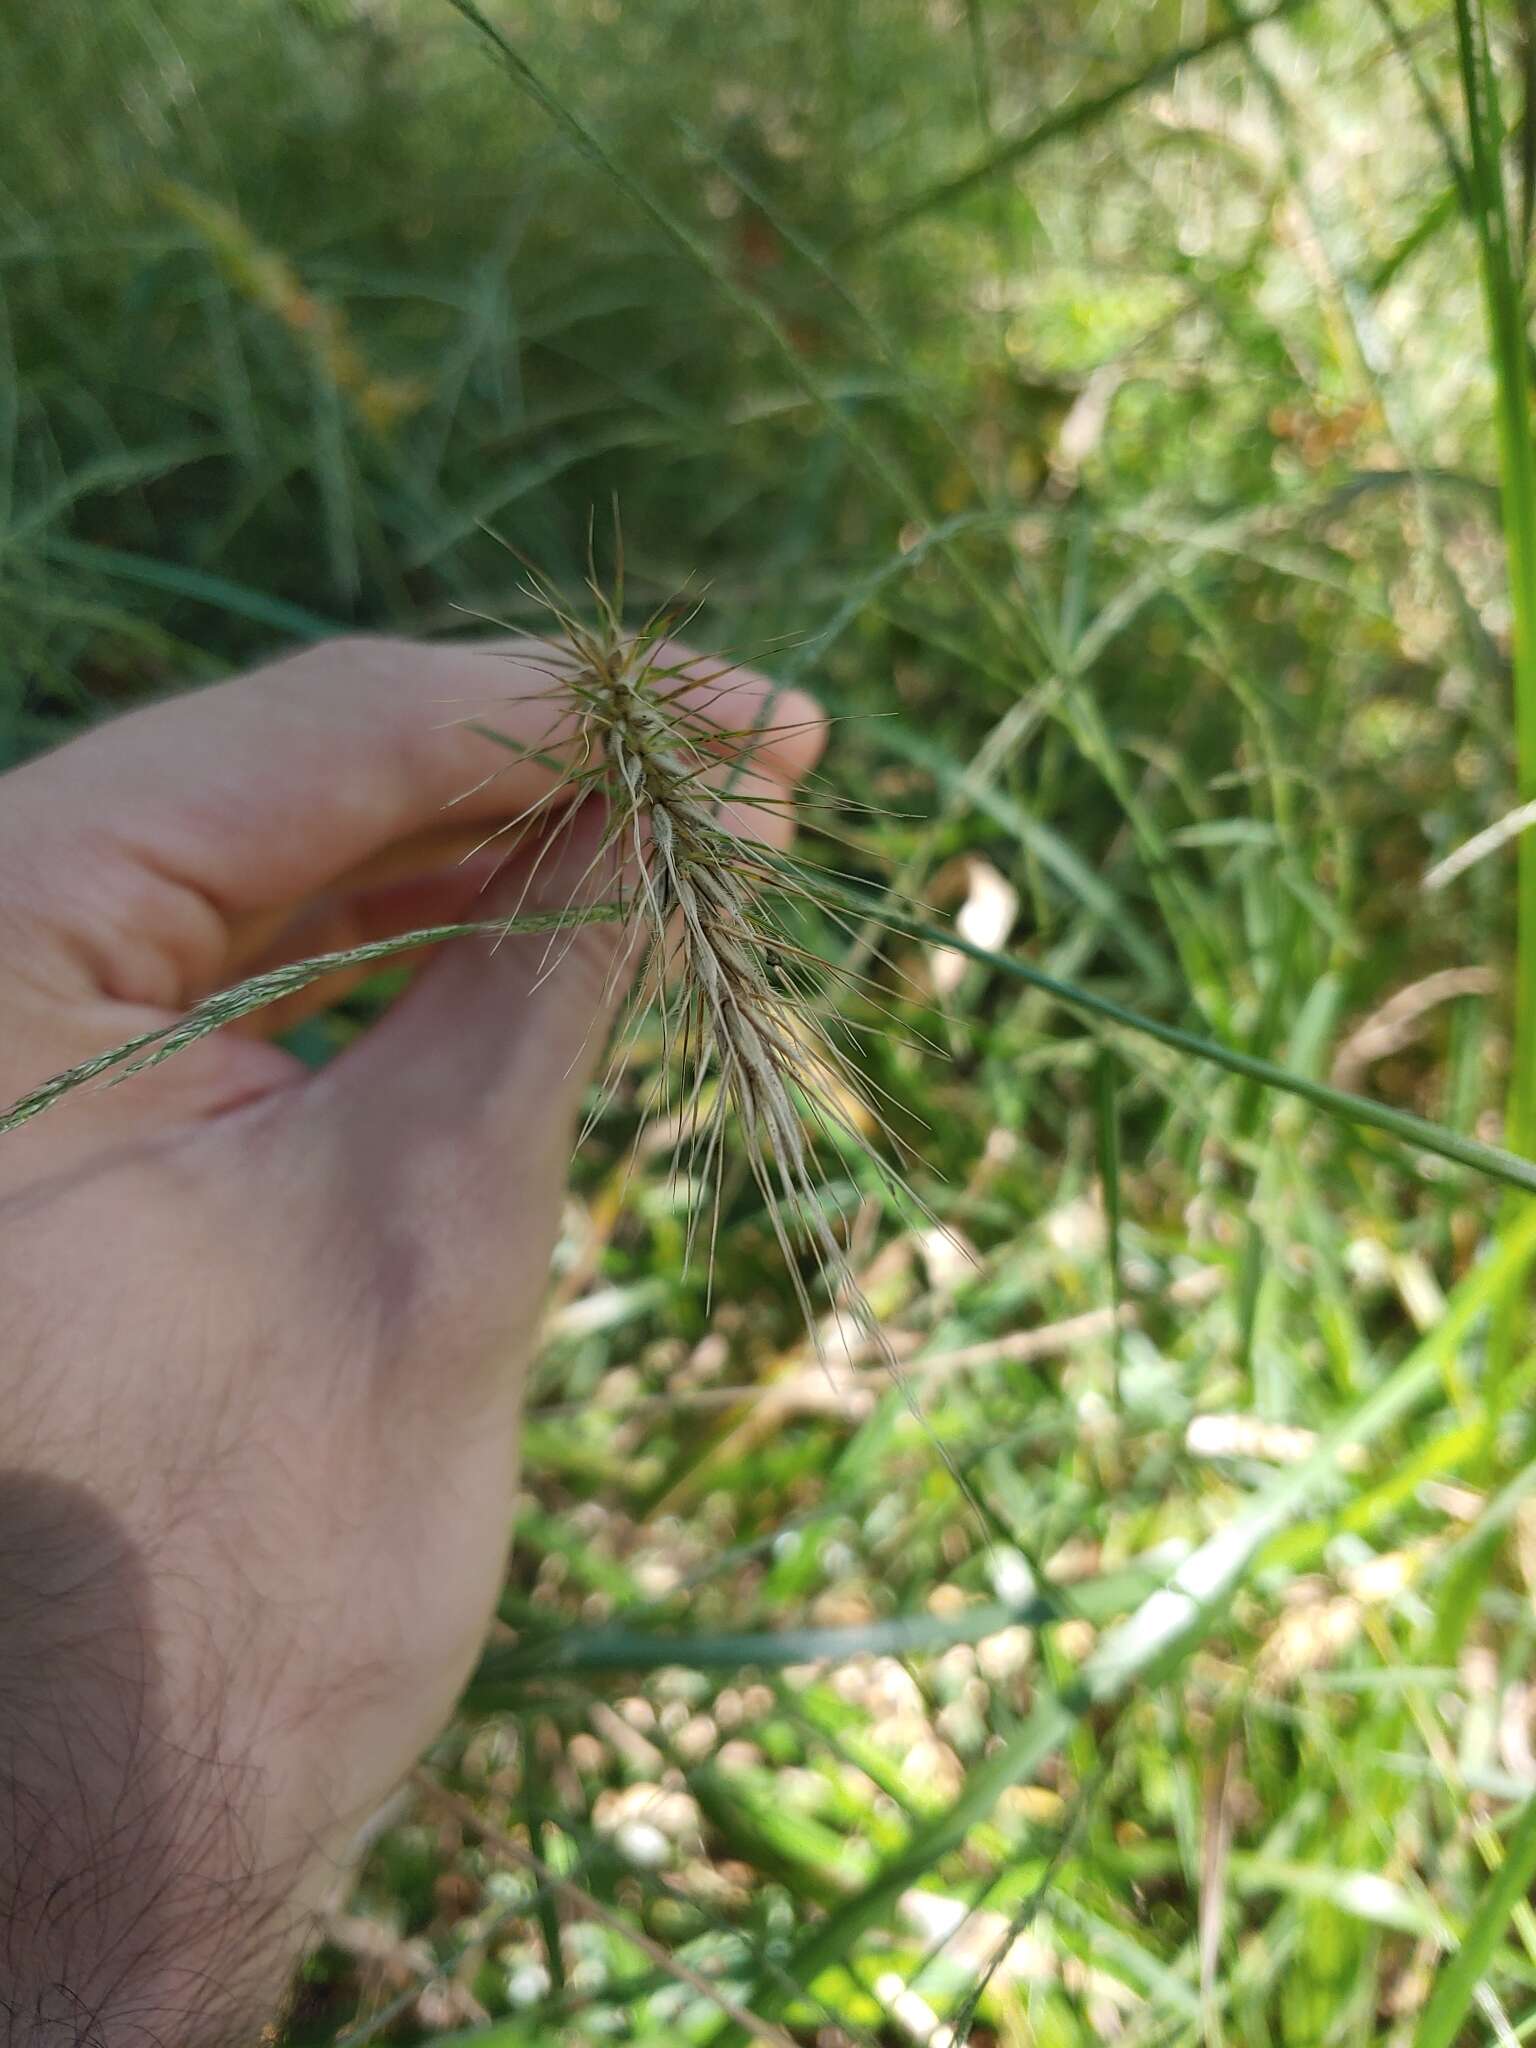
<point x="742" y="1027"/>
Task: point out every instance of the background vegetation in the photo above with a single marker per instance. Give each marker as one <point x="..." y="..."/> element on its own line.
<point x="1116" y="444"/>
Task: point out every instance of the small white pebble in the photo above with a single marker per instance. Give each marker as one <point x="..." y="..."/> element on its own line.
<point x="527" y="1983"/>
<point x="1012" y="1579"/>
<point x="642" y="1845"/>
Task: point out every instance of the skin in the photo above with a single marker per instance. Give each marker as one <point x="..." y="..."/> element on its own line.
<point x="265" y="1330"/>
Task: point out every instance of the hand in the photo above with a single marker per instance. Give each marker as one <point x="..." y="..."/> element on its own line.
<point x="266" y="1329"/>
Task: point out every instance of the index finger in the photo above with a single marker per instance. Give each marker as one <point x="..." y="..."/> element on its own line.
<point x="254" y="795"/>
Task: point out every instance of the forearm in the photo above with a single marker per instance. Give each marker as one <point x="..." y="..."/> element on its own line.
<point x="134" y="1906"/>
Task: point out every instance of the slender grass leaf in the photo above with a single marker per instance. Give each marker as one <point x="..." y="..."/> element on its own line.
<point x="1071" y="119"/>
<point x="1457" y="1984"/>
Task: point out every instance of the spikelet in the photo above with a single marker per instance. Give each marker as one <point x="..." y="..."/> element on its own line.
<point x="740" y="1002"/>
<point x="736" y="996"/>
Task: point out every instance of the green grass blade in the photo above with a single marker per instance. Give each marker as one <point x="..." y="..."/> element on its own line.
<point x="1456" y="1985"/>
<point x="103" y="475"/>
<point x="876" y="459"/>
<point x="1505" y="310"/>
<point x="196" y="584"/>
<point x="1337" y="1103"/>
<point x="683" y="237"/>
<point x="1067" y="120"/>
<point x="1404" y="45"/>
<point x="1038" y="839"/>
<point x="643" y="1649"/>
<point x="1107" y="1145"/>
<point x="1165" y="1627"/>
<point x="1441" y="210"/>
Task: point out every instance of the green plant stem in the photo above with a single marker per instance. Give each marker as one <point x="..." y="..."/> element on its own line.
<point x="1338" y="1103"/>
<point x="1456" y="1987"/>
<point x="1076" y="114"/>
<point x="872" y="454"/>
<point x="1504" y="299"/>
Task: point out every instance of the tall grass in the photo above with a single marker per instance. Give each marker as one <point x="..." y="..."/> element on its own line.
<point x="1504" y="264"/>
<point x="1085" y="405"/>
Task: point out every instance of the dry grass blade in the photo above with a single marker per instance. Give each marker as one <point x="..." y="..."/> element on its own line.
<point x="244" y="998"/>
<point x="1395" y="1024"/>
